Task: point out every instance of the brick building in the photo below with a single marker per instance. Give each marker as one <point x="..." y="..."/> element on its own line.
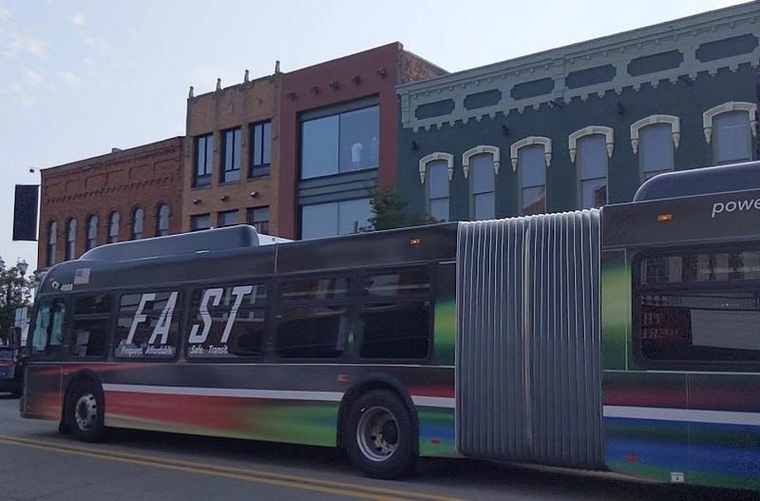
<point x="256" y="152"/>
<point x="231" y="156"/>
<point x="337" y="138"/>
<point x="310" y="144"/>
<point x="123" y="195"/>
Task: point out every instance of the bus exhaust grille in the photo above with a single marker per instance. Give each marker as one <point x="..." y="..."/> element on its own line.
<point x="528" y="382"/>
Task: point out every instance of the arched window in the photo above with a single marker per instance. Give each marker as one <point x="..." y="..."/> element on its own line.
<point x="592" y="146"/>
<point x="480" y="165"/>
<point x="655" y="138"/>
<point x="730" y="128"/>
<point x="92" y="232"/>
<point x="162" y="220"/>
<point x="71" y="239"/>
<point x="113" y="227"/>
<point x="436" y="171"/>
<point x="138" y="220"/>
<point x="52" y="243"/>
<point x="530" y="157"/>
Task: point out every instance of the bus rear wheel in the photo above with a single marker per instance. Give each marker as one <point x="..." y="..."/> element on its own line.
<point x="379" y="435"/>
<point x="84" y="413"/>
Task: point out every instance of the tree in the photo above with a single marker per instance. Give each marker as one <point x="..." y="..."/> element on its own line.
<point x="15" y="292"/>
<point x="387" y="209"/>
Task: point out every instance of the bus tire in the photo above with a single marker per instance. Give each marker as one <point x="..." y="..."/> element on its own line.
<point x="379" y="436"/>
<point x="84" y="412"/>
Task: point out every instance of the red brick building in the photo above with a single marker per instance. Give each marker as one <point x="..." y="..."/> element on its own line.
<point x="124" y="195"/>
<point x="338" y="138"/>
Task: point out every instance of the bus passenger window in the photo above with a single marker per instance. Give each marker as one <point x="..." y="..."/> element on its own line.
<point x="89" y="338"/>
<point x="406" y="283"/>
<point x="41" y="327"/>
<point x="395" y="317"/>
<point x="395" y="330"/>
<point x="147" y="325"/>
<point x="313" y="332"/>
<point x="237" y="322"/>
<point x="59" y="323"/>
<point x="315" y="289"/>
<point x="699" y="307"/>
<point x="91" y="320"/>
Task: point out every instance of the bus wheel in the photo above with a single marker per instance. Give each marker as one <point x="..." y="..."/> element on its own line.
<point x="379" y="435"/>
<point x="85" y="412"/>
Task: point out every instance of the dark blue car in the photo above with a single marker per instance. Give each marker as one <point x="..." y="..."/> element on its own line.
<point x="11" y="373"/>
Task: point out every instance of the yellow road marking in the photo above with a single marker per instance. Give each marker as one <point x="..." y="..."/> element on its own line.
<point x="248" y="475"/>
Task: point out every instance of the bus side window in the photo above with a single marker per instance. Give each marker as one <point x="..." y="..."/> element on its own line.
<point x="41" y="327"/>
<point x="49" y="326"/>
<point x="59" y="319"/>
<point x="90" y="322"/>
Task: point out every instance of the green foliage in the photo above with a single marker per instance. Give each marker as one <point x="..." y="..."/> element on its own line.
<point x="15" y="292"/>
<point x="387" y="209"/>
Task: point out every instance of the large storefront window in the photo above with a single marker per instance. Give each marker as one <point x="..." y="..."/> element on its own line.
<point x="335" y="218"/>
<point x="343" y="142"/>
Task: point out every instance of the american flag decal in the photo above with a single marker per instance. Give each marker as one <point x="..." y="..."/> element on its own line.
<point x="82" y="276"/>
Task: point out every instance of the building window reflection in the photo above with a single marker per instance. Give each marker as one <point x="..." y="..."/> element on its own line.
<point x="339" y="143"/>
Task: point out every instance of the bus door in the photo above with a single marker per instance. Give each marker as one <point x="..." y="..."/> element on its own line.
<point x="47" y="352"/>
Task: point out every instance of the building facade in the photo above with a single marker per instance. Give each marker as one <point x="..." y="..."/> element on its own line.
<point x="124" y="195"/>
<point x="231" y="156"/>
<point x="583" y="125"/>
<point x="337" y="138"/>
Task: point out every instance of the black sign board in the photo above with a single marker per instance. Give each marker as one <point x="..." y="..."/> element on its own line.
<point x="25" y="212"/>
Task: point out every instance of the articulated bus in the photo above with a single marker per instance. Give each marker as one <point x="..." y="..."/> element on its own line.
<point x="623" y="339"/>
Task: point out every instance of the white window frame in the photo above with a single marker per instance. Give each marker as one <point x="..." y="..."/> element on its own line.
<point x="607" y="132"/>
<point x="160" y="219"/>
<point x="135" y="225"/>
<point x="71" y="239"/>
<point x="673" y="121"/>
<point x="423" y="166"/>
<point x="495" y="154"/>
<point x="478" y="150"/>
<point x="578" y="179"/>
<point x="52" y="246"/>
<point x="709" y="115"/>
<point x="92" y="232"/>
<point x="514" y="150"/>
<point x="114" y="223"/>
<point x="514" y="153"/>
<point x="438" y="155"/>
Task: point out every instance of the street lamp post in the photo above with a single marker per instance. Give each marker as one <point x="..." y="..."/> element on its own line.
<point x="22" y="267"/>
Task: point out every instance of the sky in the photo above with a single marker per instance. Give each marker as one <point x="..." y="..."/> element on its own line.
<point x="79" y="77"/>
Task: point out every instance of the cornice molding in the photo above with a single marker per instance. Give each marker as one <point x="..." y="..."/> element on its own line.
<point x="684" y="35"/>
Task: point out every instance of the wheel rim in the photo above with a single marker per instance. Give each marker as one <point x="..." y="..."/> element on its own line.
<point x="377" y="434"/>
<point x="86" y="411"/>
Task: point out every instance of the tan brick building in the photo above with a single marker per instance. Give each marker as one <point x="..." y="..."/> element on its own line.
<point x="124" y="195"/>
<point x="231" y="156"/>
